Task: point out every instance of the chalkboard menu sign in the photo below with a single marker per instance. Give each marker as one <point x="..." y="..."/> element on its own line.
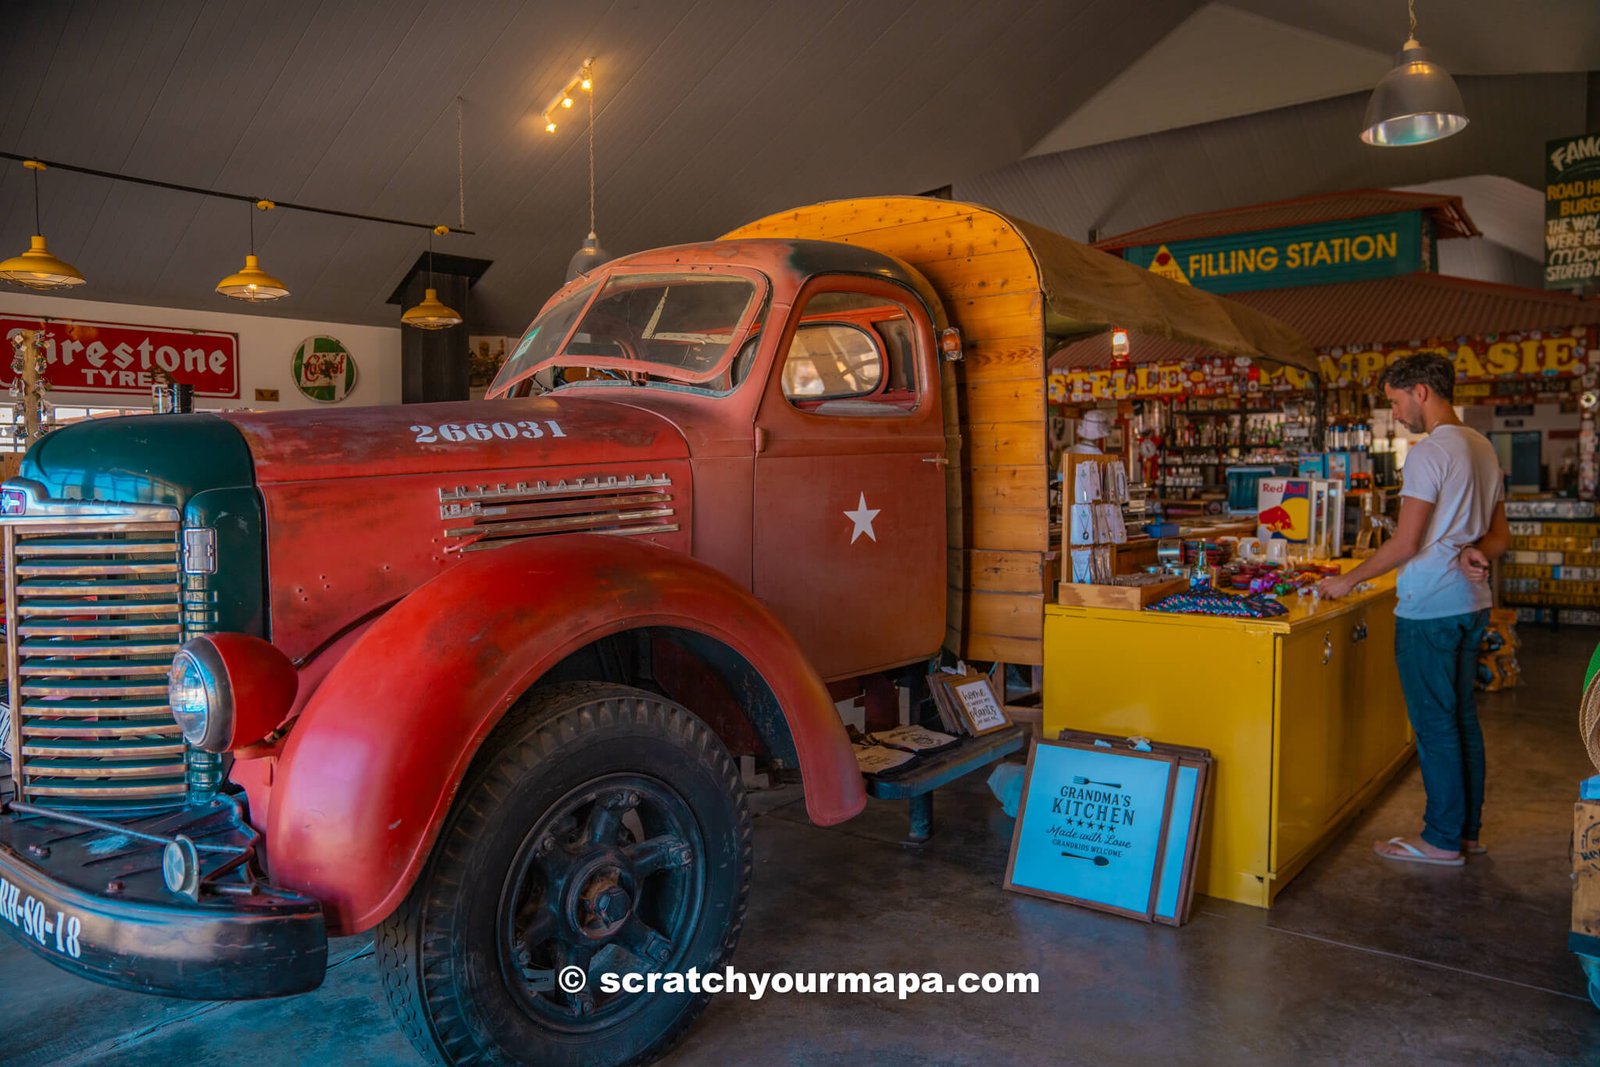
<point x="1110" y="826"/>
<point x="1572" y="212"/>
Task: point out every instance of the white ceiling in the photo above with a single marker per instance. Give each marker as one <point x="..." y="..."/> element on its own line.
<point x="1217" y="63"/>
<point x="1241" y="57"/>
<point x="710" y="113"/>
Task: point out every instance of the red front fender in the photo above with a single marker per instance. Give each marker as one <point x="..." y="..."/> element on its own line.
<point x="369" y="771"/>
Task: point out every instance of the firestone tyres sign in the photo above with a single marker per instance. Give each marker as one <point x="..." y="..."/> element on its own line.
<point x="110" y="357"/>
<point x="1572" y="212"/>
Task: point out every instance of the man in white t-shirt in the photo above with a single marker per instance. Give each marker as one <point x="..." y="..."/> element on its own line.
<point x="1452" y="527"/>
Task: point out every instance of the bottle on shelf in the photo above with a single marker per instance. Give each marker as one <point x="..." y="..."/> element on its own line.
<point x="1200" y="578"/>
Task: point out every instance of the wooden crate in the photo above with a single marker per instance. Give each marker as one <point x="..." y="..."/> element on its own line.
<point x="1127" y="597"/>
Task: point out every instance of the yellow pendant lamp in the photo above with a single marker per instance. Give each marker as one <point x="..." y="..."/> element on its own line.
<point x="432" y="313"/>
<point x="37" y="268"/>
<point x="252" y="283"/>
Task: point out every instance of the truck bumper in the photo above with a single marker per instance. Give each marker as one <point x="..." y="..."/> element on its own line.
<point x="89" y="897"/>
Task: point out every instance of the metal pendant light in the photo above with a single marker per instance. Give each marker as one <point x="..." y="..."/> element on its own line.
<point x="37" y="268"/>
<point x="1416" y="102"/>
<point x="432" y="313"/>
<point x="252" y="283"/>
<point x="590" y="255"/>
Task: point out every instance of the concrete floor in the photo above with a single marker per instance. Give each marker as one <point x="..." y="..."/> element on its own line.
<point x="1361" y="961"/>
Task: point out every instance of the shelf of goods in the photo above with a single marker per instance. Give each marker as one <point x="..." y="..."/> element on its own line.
<point x="1552" y="571"/>
<point x="1303" y="714"/>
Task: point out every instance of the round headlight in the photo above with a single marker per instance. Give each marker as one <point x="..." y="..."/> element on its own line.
<point x="186" y="693"/>
<point x="230" y="690"/>
<point x="199" y="695"/>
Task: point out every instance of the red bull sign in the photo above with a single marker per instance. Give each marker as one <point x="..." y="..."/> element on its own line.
<point x="1284" y="509"/>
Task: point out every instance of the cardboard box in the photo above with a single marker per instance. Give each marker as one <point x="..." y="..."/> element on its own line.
<point x="1586" y="868"/>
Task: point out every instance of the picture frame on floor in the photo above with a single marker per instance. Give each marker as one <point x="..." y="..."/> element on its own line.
<point x="1111" y="825"/>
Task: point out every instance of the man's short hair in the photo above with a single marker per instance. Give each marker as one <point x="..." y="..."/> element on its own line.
<point x="1423" y="368"/>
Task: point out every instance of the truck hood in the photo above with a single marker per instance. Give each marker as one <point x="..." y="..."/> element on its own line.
<point x="457" y="437"/>
<point x="140" y="459"/>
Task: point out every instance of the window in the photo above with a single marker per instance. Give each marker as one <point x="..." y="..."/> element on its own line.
<point x="832" y="361"/>
<point x="547" y="331"/>
<point x="641" y="329"/>
<point x="63" y="415"/>
<point x="852" y="354"/>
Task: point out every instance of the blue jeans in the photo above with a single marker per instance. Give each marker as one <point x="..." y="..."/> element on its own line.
<point x="1438" y="661"/>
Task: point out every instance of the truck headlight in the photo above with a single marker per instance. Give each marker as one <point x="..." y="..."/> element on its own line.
<point x="230" y="690"/>
<point x="195" y="691"/>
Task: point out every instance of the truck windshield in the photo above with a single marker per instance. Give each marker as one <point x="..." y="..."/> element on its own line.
<point x="642" y="328"/>
<point x="543" y="337"/>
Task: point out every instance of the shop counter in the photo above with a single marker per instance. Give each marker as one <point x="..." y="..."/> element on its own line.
<point x="1303" y="715"/>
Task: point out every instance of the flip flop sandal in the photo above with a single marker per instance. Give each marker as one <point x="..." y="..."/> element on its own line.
<point x="1475" y="850"/>
<point x="1413" y="854"/>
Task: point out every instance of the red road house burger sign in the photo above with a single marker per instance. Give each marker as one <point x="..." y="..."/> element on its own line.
<point x="111" y="357"/>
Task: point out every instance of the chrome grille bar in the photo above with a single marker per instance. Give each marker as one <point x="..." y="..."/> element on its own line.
<point x="91" y="626"/>
<point x="488" y="516"/>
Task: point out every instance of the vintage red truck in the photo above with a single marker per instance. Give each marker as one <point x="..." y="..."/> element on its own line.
<point x="475" y="676"/>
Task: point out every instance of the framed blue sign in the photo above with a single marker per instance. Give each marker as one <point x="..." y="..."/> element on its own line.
<point x="1110" y="826"/>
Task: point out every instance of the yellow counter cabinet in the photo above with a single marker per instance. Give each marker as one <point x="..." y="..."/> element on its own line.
<point x="1303" y="715"/>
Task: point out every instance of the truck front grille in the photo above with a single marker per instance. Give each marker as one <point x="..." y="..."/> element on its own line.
<point x="91" y="626"/>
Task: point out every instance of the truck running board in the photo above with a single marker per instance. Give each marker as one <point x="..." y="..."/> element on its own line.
<point x="941" y="768"/>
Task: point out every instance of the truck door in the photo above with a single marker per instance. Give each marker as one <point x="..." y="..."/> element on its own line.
<point x="849" y="528"/>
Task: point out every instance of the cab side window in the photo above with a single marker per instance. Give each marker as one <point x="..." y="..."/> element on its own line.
<point x="852" y="354"/>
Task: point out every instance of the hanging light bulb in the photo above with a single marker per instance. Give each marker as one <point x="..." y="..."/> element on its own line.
<point x="431" y="313"/>
<point x="566" y="101"/>
<point x="1416" y="102"/>
<point x="252" y="283"/>
<point x="549" y="127"/>
<point x="589" y="255"/>
<point x="37" y="268"/>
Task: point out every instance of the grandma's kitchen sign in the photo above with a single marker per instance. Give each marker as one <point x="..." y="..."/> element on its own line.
<point x="1109" y="827"/>
<point x="113" y="357"/>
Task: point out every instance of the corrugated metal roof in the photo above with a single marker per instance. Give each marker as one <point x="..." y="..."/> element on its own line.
<point x="1416" y="308"/>
<point x="1449" y="216"/>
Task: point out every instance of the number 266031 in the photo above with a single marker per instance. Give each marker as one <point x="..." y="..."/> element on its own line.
<point x="456" y="432"/>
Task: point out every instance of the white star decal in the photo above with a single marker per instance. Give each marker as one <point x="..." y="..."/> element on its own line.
<point x="862" y="516"/>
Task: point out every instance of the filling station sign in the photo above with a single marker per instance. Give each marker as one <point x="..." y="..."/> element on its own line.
<point x="1378" y="246"/>
<point x="108" y="357"/>
<point x="1572" y="212"/>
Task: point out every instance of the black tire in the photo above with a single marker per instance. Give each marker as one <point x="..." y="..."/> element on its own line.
<point x="600" y="826"/>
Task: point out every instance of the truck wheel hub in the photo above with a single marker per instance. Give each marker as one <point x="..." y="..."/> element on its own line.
<point x="603" y="905"/>
<point x="613" y="867"/>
